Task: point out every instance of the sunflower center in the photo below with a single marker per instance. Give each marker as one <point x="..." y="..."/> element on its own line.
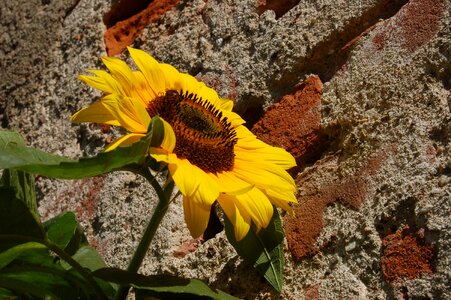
<point x="203" y="135"/>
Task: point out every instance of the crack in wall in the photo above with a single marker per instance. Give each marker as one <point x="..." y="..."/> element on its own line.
<point x="70" y="9"/>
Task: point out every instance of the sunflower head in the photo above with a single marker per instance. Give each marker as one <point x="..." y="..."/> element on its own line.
<point x="199" y="128"/>
<point x="210" y="155"/>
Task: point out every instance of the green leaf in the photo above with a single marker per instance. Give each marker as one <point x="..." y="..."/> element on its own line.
<point x="161" y="286"/>
<point x="41" y="268"/>
<point x="16" y="221"/>
<point x="263" y="250"/>
<point x="23" y="185"/>
<point x="12" y="253"/>
<point x="59" y="283"/>
<point x="6" y="294"/>
<point x="29" y="269"/>
<point x="14" y="152"/>
<point x="61" y="229"/>
<point x="19" y="287"/>
<point x="88" y="258"/>
<point x="157" y="128"/>
<point x="15" y="155"/>
<point x="78" y="239"/>
<point x="38" y="257"/>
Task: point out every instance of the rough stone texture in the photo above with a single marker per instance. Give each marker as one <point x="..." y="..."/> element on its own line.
<point x="385" y="114"/>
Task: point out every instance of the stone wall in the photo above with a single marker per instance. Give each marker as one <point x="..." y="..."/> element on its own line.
<point x="357" y="91"/>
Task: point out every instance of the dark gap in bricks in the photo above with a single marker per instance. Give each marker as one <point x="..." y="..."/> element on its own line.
<point x="331" y="55"/>
<point x="251" y="114"/>
<point x="280" y="7"/>
<point x="122" y="10"/>
<point x="403" y="215"/>
<point x="4" y="119"/>
<point x="97" y="224"/>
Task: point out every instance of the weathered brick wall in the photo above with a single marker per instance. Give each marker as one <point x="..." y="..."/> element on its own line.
<point x="357" y="91"/>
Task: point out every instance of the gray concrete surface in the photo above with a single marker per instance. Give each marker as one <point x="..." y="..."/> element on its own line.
<point x="385" y="67"/>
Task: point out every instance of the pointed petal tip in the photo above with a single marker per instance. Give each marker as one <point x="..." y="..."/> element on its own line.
<point x="196" y="217"/>
<point x="83" y="77"/>
<point x="73" y="118"/>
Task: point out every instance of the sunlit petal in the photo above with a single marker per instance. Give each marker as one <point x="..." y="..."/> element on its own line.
<point x="226" y="104"/>
<point x="151" y="70"/>
<point x="121" y="73"/>
<point x="124" y="110"/>
<point x="257" y="205"/>
<point x="124" y="141"/>
<point x="230" y="184"/>
<point x="97" y="113"/>
<point x="241" y="220"/>
<point x="196" y="216"/>
<point x="169" y="139"/>
<point x="281" y="198"/>
<point x="263" y="174"/>
<point x="102" y="81"/>
<point x="193" y="182"/>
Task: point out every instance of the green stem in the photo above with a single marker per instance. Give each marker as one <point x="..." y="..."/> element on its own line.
<point x="149" y="233"/>
<point x="80" y="269"/>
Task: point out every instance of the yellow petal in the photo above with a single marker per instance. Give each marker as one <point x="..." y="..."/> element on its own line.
<point x="96" y="113"/>
<point x="172" y="81"/>
<point x="144" y="93"/>
<point x="268" y="154"/>
<point x="164" y="151"/>
<point x="169" y="139"/>
<point x="196" y="216"/>
<point x="208" y="94"/>
<point x="184" y="175"/>
<point x="208" y="190"/>
<point x="230" y="184"/>
<point x="125" y="112"/>
<point x="141" y="112"/>
<point x="249" y="148"/>
<point x="124" y="141"/>
<point x="241" y="221"/>
<point x="161" y="155"/>
<point x="247" y="140"/>
<point x="193" y="182"/>
<point x="188" y="83"/>
<point x="122" y="73"/>
<point x="257" y="205"/>
<point x="226" y="104"/>
<point x="263" y="174"/>
<point x="281" y="198"/>
<point x="233" y="118"/>
<point x="102" y="81"/>
<point x="156" y="79"/>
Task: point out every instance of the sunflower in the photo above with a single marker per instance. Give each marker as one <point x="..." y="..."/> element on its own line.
<point x="210" y="154"/>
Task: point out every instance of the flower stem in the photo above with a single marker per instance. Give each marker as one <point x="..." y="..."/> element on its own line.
<point x="80" y="269"/>
<point x="149" y="233"/>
